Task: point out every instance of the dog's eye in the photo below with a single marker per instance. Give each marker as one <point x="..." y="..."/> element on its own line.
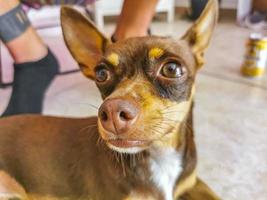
<point x="172" y="70"/>
<point x="102" y="75"/>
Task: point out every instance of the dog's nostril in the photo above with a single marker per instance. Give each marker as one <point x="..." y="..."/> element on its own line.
<point x="124" y="116"/>
<point x="104" y="116"/>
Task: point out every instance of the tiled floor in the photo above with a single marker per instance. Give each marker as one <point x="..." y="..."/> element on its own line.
<point x="230" y="112"/>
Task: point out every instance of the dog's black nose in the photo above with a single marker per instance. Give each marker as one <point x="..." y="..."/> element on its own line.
<point x="118" y="115"/>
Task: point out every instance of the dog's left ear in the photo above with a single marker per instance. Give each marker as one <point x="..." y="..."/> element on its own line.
<point x="199" y="35"/>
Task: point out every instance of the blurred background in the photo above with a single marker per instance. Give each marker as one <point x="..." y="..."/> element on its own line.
<point x="230" y="111"/>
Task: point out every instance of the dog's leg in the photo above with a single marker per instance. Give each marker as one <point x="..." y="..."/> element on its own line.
<point x="10" y="189"/>
<point x="200" y="192"/>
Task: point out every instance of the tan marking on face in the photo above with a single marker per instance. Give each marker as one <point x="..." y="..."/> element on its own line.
<point x="114" y="59"/>
<point x="172" y="115"/>
<point x="160" y="118"/>
<point x="126" y="89"/>
<point x="155" y="53"/>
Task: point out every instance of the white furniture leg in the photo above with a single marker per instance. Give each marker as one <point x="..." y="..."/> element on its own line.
<point x="171" y="14"/>
<point x="243" y="8"/>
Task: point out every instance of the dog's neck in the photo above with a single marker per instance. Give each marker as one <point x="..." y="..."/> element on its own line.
<point x="166" y="166"/>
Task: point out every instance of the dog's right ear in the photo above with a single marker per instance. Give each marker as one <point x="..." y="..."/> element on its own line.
<point x="85" y="42"/>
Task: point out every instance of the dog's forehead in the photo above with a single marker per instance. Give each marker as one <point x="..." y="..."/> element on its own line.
<point x="141" y="45"/>
<point x="139" y="49"/>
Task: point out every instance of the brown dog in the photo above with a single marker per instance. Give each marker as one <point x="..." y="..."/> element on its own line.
<point x="141" y="145"/>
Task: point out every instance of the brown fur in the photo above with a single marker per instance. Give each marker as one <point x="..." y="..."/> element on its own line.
<point x="63" y="158"/>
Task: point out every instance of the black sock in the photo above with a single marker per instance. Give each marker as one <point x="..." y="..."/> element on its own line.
<point x="31" y="80"/>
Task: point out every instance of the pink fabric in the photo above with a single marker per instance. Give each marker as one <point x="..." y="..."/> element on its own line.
<point x="39" y="3"/>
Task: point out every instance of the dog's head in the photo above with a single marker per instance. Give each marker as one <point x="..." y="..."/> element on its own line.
<point x="147" y="83"/>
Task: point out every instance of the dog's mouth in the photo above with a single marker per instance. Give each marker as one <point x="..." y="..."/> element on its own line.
<point x="127" y="143"/>
<point x="127" y="146"/>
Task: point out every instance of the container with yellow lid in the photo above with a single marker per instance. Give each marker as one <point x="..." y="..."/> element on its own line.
<point x="256" y="56"/>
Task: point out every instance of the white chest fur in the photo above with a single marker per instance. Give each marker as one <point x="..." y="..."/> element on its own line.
<point x="166" y="167"/>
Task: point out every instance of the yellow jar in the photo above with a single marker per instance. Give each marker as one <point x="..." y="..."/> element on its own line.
<point x="256" y="56"/>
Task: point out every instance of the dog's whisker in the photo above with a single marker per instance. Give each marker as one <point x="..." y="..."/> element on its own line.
<point x="89" y="104"/>
<point x="156" y="131"/>
<point x="99" y="140"/>
<point x="122" y="164"/>
<point x="160" y="120"/>
<point x="169" y="110"/>
<point x="88" y="127"/>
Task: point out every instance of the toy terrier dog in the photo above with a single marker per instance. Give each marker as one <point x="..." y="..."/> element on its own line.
<point x="141" y="144"/>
